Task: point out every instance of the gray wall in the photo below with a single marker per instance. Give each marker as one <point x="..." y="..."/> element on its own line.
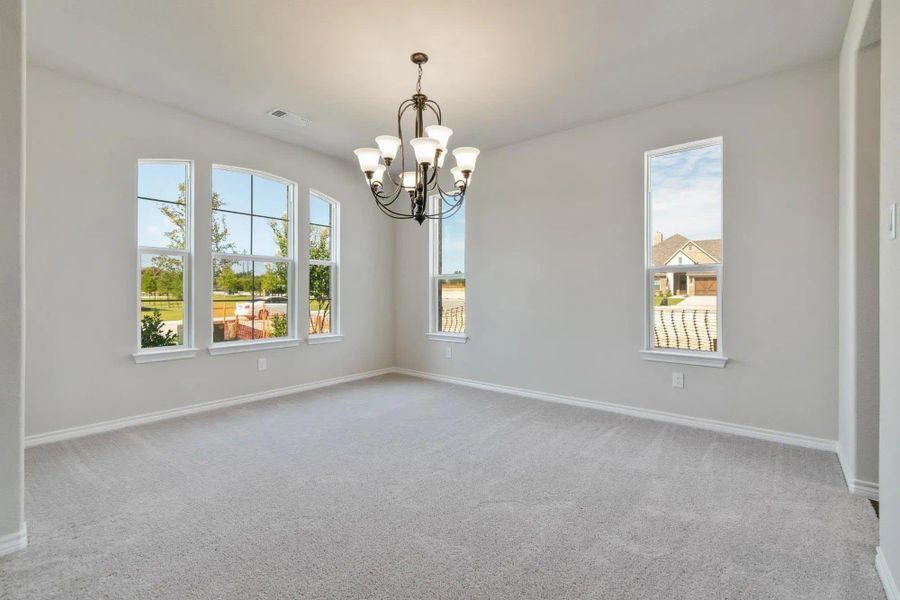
<point x="84" y="141"/>
<point x="889" y="456"/>
<point x="12" y="166"/>
<point x="860" y="64"/>
<point x="555" y="261"/>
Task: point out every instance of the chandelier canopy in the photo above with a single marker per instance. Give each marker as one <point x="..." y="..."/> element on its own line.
<point x="429" y="149"/>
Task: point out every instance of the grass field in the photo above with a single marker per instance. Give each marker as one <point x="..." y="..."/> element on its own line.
<point x="171" y="310"/>
<point x="672" y="300"/>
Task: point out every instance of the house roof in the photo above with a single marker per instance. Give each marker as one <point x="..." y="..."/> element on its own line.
<point x="700" y="251"/>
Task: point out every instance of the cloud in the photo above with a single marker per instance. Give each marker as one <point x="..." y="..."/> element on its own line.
<point x="686" y="193"/>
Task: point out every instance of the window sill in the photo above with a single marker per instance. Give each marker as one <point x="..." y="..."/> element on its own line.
<point x="148" y="356"/>
<point x="234" y="348"/>
<point x="324" y="338"/>
<point x="456" y="338"/>
<point x="686" y="358"/>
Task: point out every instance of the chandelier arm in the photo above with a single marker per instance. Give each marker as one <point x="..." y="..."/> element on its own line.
<point x="449" y="212"/>
<point x="444" y="214"/>
<point x="391" y="198"/>
<point x="436" y="108"/>
<point x="445" y="195"/>
<point x="392" y="214"/>
<point x="385" y="208"/>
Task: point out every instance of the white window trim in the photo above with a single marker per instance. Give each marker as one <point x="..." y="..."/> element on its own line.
<point x="433" y="332"/>
<point x="687" y="357"/>
<point x="336" y="334"/>
<point x="292" y="339"/>
<point x="186" y="349"/>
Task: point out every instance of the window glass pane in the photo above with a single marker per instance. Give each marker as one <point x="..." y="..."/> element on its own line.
<point x="270" y="237"/>
<point x="270" y="197"/>
<point x="452" y="243"/>
<point x="161" y="224"/>
<point x="232" y="190"/>
<point x="319" y="211"/>
<point x="231" y="233"/>
<point x="162" y="181"/>
<point x="685" y="311"/>
<point x="319" y="242"/>
<point x="452" y="305"/>
<point x="686" y="206"/>
<point x="162" y="300"/>
<point x="320" y="296"/>
<point x="250" y="300"/>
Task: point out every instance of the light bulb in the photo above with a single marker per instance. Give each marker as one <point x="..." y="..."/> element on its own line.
<point x="388" y="144"/>
<point x="424" y="148"/>
<point x="440" y="133"/>
<point x="466" y="157"/>
<point x="368" y="159"/>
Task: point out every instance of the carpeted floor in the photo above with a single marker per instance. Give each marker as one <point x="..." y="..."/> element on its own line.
<point x="402" y="488"/>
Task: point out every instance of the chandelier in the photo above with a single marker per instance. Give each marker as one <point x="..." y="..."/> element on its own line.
<point x="429" y="148"/>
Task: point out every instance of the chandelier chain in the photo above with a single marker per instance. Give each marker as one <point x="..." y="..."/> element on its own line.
<point x="419" y="81"/>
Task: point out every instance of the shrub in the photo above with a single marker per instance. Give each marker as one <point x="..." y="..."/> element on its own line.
<point x="279" y="325"/>
<point x="153" y="334"/>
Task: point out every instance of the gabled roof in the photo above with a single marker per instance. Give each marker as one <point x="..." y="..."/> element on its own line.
<point x="699" y="251"/>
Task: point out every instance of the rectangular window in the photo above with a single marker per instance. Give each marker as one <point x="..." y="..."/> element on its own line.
<point x="253" y="256"/>
<point x="324" y="245"/>
<point x="164" y="197"/>
<point x="684" y="249"/>
<point x="448" y="270"/>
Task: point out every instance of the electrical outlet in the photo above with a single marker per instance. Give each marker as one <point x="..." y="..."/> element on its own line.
<point x="261" y="364"/>
<point x="677" y="379"/>
<point x="448" y="352"/>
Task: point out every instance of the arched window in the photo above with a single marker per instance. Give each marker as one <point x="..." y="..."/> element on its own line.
<point x="253" y="260"/>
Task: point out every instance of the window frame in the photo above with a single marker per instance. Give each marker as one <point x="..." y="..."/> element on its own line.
<point x="292" y="339"/>
<point x="186" y="349"/>
<point x="673" y="355"/>
<point x="433" y="331"/>
<point x="336" y="333"/>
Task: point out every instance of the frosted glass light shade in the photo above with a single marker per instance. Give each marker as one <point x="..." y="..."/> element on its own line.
<point x="466" y="157"/>
<point x="441" y="158"/>
<point x="440" y="133"/>
<point x="368" y="158"/>
<point x="378" y="175"/>
<point x="409" y="180"/>
<point x="458" y="178"/>
<point x="424" y="147"/>
<point x="388" y="144"/>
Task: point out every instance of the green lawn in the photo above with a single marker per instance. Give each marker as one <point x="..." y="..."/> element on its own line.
<point x="672" y="301"/>
<point x="171" y="310"/>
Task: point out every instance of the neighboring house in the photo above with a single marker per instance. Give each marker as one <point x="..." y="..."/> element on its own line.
<point x="679" y="250"/>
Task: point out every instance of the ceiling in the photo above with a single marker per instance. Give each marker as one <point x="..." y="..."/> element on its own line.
<point x="502" y="71"/>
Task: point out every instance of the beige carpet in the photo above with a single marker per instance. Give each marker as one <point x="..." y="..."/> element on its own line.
<point x="402" y="488"/>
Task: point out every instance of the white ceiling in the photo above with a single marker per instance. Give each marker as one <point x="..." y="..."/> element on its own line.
<point x="503" y="71"/>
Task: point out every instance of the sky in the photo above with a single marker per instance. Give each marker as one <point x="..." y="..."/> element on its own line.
<point x="453" y="242"/>
<point x="686" y="193"/>
<point x="270" y="200"/>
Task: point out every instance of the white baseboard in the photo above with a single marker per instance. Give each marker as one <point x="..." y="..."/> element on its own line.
<point x="13" y="542"/>
<point x="887" y="579"/>
<point x="759" y="433"/>
<point x="83" y="430"/>
<point x="858" y="487"/>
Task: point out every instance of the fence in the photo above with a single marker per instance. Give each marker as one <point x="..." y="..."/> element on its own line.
<point x="453" y="320"/>
<point x="685" y="328"/>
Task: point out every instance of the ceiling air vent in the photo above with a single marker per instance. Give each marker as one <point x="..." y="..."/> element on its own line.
<point x="289" y="117"/>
